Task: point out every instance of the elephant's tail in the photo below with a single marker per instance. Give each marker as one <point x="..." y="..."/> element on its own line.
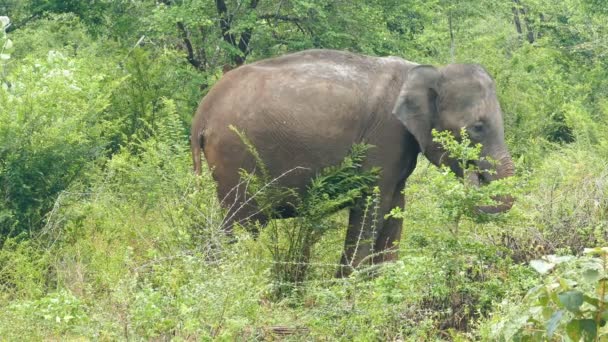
<point x="196" y="144"/>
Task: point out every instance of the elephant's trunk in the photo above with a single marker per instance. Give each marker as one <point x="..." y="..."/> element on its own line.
<point x="504" y="168"/>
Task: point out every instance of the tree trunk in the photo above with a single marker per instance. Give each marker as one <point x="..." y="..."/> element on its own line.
<point x="188" y="44"/>
<point x="516" y="19"/>
<point x="225" y="25"/>
<point x="518" y="9"/>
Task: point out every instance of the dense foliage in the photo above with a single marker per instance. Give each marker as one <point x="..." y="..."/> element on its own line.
<point x="106" y="234"/>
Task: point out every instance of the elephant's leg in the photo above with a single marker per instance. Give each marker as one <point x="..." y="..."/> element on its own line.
<point x="359" y="239"/>
<point x="364" y="226"/>
<point x="390" y="234"/>
<point x="378" y="236"/>
<point x="246" y="216"/>
<point x="240" y="209"/>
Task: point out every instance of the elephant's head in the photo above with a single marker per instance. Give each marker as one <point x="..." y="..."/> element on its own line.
<point x="450" y="98"/>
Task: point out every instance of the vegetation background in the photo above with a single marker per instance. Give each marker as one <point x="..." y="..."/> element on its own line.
<point x="105" y="234"/>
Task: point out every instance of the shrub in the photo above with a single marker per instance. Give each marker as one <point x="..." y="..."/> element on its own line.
<point x="568" y="304"/>
<point x="570" y="204"/>
<point x="57" y="314"/>
<point x="446" y="225"/>
<point x="51" y="127"/>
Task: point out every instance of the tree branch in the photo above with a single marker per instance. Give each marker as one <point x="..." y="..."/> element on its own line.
<point x="15" y="26"/>
<point x="530" y="34"/>
<point x="452" y="38"/>
<point x="191" y="58"/>
<point x="280" y="17"/>
<point x="516" y="18"/>
<point x="276" y="17"/>
<point x="521" y="9"/>
<point x="245" y="38"/>
<point x="201" y="51"/>
<point x="225" y="19"/>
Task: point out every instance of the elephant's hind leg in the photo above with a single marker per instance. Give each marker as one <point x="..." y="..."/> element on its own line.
<point x="240" y="209"/>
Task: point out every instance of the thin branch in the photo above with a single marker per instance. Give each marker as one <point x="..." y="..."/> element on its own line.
<point x="248" y="200"/>
<point x="293" y="20"/>
<point x="515" y="11"/>
<point x="225" y="20"/>
<point x="14" y="26"/>
<point x="191" y="58"/>
<point x="280" y="17"/>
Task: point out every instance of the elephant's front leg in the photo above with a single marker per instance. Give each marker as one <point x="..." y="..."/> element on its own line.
<point x="359" y="241"/>
<point x="387" y="240"/>
<point x="370" y="238"/>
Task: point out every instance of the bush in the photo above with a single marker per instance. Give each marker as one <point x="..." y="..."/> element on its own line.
<point x="562" y="207"/>
<point x="135" y="241"/>
<point x="50" y="129"/>
<point x="571" y="303"/>
<point x="60" y="313"/>
<point x="570" y="204"/>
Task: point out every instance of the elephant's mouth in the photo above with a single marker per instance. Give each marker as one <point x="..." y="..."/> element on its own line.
<point x="479" y="178"/>
<point x="503" y="203"/>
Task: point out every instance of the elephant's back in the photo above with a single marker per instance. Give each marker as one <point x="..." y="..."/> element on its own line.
<point x="338" y="67"/>
<point x="311" y="86"/>
<point x="298" y="97"/>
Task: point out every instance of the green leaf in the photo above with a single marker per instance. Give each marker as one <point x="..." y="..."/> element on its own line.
<point x="589" y="329"/>
<point x="554" y="322"/>
<point x="572" y="300"/>
<point x="591" y="275"/>
<point x="573" y="329"/>
<point x="541" y="266"/>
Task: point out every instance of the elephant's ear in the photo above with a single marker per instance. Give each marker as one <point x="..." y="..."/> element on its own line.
<point x="416" y="106"/>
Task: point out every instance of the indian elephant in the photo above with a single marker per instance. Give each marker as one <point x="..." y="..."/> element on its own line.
<point x="307" y="109"/>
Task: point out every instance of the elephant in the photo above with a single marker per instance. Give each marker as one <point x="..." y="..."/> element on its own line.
<point x="303" y="112"/>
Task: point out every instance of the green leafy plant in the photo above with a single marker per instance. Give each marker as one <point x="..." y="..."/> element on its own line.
<point x="469" y="280"/>
<point x="571" y="302"/>
<point x="462" y="197"/>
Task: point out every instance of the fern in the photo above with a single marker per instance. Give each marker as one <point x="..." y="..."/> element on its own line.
<point x="170" y="129"/>
<point x="338" y="187"/>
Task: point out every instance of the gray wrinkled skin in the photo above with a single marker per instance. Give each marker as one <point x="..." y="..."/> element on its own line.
<point x="307" y="109"/>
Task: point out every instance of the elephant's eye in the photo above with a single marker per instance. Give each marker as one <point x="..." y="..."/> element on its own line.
<point x="477" y="127"/>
